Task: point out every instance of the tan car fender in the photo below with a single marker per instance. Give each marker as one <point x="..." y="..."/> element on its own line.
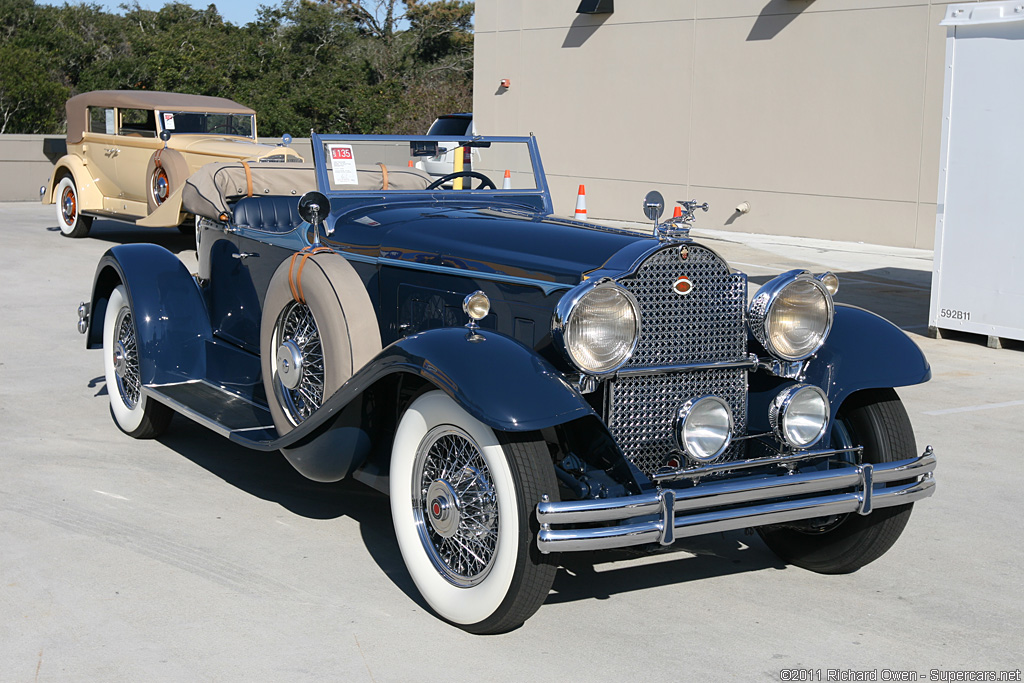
<point x="89" y="196"/>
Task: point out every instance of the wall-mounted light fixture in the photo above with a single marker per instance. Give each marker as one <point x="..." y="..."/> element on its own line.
<point x="596" y="7"/>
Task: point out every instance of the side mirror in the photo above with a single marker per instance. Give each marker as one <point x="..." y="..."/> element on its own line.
<point x="654" y="205"/>
<point x="314" y="207"/>
<point x="165" y="135"/>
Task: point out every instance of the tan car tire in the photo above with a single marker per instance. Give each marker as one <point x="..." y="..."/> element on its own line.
<point x="312" y="345"/>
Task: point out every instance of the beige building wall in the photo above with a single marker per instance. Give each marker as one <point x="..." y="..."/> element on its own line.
<point x="824" y="115"/>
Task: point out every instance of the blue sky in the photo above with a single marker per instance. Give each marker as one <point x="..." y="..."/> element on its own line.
<point x="239" y="12"/>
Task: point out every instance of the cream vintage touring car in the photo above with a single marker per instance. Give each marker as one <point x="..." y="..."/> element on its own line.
<point x="128" y="150"/>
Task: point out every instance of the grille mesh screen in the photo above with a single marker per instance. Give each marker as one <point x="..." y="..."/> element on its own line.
<point x="707" y="325"/>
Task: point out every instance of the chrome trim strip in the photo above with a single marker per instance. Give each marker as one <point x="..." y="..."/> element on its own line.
<point x="543" y="285"/>
<point x="697" y="472"/>
<point x="749" y="362"/>
<point x="729" y="505"/>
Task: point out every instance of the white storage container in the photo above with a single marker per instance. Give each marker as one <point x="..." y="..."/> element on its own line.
<point x="978" y="278"/>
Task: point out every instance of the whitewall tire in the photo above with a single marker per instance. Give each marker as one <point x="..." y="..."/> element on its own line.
<point x="69" y="217"/>
<point x="462" y="501"/>
<point x="134" y="413"/>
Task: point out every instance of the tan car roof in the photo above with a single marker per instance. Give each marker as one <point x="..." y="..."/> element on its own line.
<point x="78" y="115"/>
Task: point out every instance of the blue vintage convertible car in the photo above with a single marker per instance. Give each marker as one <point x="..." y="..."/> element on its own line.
<point x="522" y="385"/>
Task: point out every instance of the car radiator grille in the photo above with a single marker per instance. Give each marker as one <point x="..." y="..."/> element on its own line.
<point x="707" y="325"/>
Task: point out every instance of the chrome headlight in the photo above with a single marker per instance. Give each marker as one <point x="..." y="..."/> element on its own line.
<point x="704" y="428"/>
<point x="799" y="415"/>
<point x="791" y="315"/>
<point x="597" y="326"/>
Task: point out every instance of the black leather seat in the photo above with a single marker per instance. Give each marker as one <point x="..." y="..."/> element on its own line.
<point x="269" y="214"/>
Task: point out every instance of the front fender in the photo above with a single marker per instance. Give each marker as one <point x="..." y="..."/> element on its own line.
<point x="865" y="351"/>
<point x="495" y="378"/>
<point x="171" y="321"/>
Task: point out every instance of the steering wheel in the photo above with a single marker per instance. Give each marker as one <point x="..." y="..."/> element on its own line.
<point x="485" y="182"/>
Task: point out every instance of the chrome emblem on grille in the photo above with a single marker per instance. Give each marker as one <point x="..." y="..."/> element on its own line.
<point x="684" y="252"/>
<point x="682" y="285"/>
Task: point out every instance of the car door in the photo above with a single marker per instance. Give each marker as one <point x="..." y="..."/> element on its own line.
<point x="100" y="149"/>
<point x="240" y="268"/>
<point x="136" y="142"/>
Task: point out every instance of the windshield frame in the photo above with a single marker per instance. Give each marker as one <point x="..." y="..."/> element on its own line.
<point x="541" y="190"/>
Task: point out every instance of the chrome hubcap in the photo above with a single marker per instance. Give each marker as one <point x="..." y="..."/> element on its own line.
<point x="289" y="364"/>
<point x="442" y="510"/>
<point x="455" y="506"/>
<point x="68" y="206"/>
<point x="161" y="187"/>
<point x="298" y="363"/>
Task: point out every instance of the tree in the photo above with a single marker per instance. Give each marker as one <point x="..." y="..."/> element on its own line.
<point x="336" y="66"/>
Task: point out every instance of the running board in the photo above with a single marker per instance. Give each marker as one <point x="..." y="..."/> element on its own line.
<point x="228" y="414"/>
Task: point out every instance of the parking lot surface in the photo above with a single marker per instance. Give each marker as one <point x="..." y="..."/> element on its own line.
<point x="188" y="558"/>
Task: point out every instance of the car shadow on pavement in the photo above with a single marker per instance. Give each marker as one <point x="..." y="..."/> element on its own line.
<point x="270" y="477"/>
<point x="116" y="232"/>
<point x="599" y="575"/>
<point x="582" y="576"/>
<point x="900" y="295"/>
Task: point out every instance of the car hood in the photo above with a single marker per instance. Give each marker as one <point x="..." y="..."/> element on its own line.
<point x="509" y="242"/>
<point x="240" y="148"/>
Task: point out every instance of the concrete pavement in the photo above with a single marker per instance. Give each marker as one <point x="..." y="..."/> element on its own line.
<point x="188" y="558"/>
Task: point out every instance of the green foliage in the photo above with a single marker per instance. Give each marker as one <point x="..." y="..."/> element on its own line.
<point x="334" y="66"/>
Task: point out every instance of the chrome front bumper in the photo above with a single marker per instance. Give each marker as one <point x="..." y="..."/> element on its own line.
<point x="667" y="514"/>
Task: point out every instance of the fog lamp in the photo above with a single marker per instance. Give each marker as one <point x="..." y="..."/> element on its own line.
<point x="703" y="428"/>
<point x="799" y="415"/>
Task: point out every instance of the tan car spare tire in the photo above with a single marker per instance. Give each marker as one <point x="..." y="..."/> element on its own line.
<point x="318" y="329"/>
<point x="165" y="173"/>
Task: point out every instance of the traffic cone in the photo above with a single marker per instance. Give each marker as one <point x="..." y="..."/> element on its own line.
<point x="678" y="212"/>
<point x="581" y="204"/>
<point x="411" y="164"/>
<point x="507" y="185"/>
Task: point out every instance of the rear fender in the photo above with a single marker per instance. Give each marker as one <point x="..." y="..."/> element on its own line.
<point x="171" y="320"/>
<point x="89" y="196"/>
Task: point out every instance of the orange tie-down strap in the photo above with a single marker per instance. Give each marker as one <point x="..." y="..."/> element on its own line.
<point x="248" y="179"/>
<point x="383" y="176"/>
<point x="295" y="274"/>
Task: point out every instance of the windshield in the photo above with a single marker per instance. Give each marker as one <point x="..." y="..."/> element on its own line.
<point x="209" y="124"/>
<point x="357" y="162"/>
<point x="451" y="125"/>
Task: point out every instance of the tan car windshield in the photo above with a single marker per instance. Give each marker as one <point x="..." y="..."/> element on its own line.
<point x="208" y="124"/>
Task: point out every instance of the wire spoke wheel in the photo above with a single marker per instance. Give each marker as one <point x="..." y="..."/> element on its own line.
<point x="126" y="359"/>
<point x="455" y="506"/>
<point x="298" y="363"/>
<point x="134" y="413"/>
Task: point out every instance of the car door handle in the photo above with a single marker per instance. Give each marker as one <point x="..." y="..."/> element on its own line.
<point x="112" y="151"/>
<point x="245" y="254"/>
